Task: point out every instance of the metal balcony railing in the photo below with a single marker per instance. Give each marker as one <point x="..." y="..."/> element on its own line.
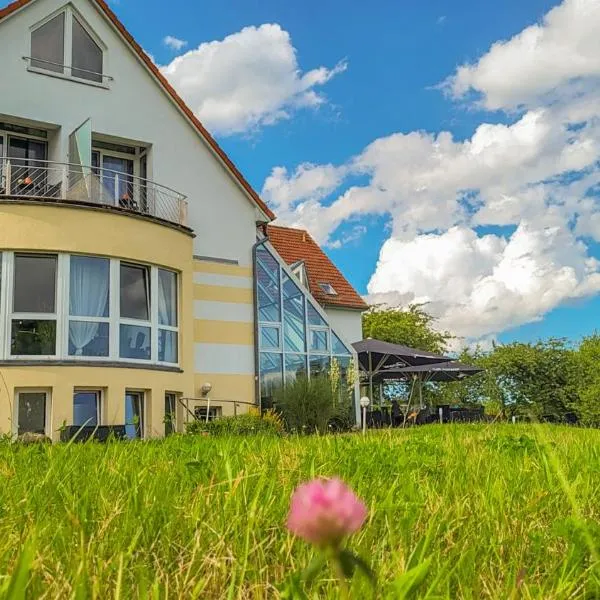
<point x="47" y="180"/>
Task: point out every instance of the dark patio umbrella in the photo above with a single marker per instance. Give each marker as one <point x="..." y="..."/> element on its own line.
<point x="446" y="371"/>
<point x="374" y="356"/>
<point x="420" y="374"/>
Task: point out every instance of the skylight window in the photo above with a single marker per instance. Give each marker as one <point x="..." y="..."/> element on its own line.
<point x="328" y="289"/>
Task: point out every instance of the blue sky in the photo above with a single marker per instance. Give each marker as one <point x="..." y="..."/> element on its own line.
<point x="527" y="243"/>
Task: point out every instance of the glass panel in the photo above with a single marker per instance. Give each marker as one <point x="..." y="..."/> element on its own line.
<point x="319" y="340"/>
<point x="87" y="55"/>
<point x="33" y="338"/>
<point x="338" y="347"/>
<point x="89" y="287"/>
<point x="88" y="338"/>
<point x="270" y="376"/>
<point x="35" y="283"/>
<point x="135" y="342"/>
<point x="29" y="177"/>
<point x="118" y="181"/>
<point x="295" y="364"/>
<point x="319" y="365"/>
<point x="269" y="338"/>
<point x="32" y="412"/>
<point x="167" y="346"/>
<point x="314" y="318"/>
<point x="293" y="316"/>
<point x="47" y="44"/>
<point x="167" y="298"/>
<point x="85" y="409"/>
<point x="267" y="275"/>
<point x="135" y="292"/>
<point x="170" y="405"/>
<point x="134" y="414"/>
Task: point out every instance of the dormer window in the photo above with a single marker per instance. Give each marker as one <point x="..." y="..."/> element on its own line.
<point x="64" y="45"/>
<point x="328" y="289"/>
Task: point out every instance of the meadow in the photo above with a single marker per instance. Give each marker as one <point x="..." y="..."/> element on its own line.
<point x="497" y="511"/>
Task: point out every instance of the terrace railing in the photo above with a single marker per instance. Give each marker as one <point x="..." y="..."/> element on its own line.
<point x="47" y="180"/>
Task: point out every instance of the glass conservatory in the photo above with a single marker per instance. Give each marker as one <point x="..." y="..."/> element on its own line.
<point x="294" y="335"/>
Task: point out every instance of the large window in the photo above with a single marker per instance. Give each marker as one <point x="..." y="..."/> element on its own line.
<point x="167" y="316"/>
<point x="63" y="44"/>
<point x="135" y="331"/>
<point x="79" y="307"/>
<point x="89" y="288"/>
<point x="294" y="335"/>
<point x="33" y="318"/>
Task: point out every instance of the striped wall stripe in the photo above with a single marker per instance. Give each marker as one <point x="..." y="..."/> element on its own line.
<point x="223" y="311"/>
<point x="224" y="332"/>
<point x="224" y="358"/>
<point x="201" y="266"/>
<point x="222" y="280"/>
<point x="220" y="293"/>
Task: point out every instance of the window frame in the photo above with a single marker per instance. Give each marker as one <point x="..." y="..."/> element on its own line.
<point x="8" y="283"/>
<point x="70" y="13"/>
<point x="62" y="316"/>
<point x="99" y="404"/>
<point x="48" y="408"/>
<point x="142" y="396"/>
<point x="172" y="424"/>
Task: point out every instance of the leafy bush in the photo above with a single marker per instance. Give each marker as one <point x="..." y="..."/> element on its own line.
<point x="246" y="424"/>
<point x="313" y="405"/>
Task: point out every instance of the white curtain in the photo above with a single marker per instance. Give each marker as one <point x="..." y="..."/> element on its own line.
<point x="167" y="312"/>
<point x="88" y="297"/>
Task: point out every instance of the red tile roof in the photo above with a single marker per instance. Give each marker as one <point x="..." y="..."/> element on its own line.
<point x="103" y="6"/>
<point x="294" y="245"/>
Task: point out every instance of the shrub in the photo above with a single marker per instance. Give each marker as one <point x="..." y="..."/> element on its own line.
<point x="312" y="405"/>
<point x="246" y="424"/>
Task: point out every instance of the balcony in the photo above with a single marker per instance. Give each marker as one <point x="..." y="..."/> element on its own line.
<point x="41" y="180"/>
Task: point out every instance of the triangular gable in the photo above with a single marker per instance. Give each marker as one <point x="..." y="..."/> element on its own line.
<point x="168" y="88"/>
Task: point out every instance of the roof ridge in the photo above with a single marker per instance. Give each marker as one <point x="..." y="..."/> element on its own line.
<point x="17" y="4"/>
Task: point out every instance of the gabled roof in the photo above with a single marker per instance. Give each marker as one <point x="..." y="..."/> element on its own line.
<point x="104" y="8"/>
<point x="295" y="245"/>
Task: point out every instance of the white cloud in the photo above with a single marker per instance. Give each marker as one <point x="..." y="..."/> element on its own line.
<point x="174" y="43"/>
<point x="476" y="285"/>
<point x="562" y="49"/>
<point x="247" y="80"/>
<point x="538" y="175"/>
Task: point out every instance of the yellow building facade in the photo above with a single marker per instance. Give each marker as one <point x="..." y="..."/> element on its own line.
<point x="50" y="230"/>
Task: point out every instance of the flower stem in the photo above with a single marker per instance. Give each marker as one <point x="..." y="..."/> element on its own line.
<point x="339" y="573"/>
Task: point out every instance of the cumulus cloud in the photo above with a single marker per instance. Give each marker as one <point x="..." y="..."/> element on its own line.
<point x="536" y="177"/>
<point x="174" y="43"/>
<point x="480" y="284"/>
<point x="247" y="80"/>
<point x="543" y="59"/>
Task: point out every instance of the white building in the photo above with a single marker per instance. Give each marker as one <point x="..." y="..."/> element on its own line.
<point x="127" y="242"/>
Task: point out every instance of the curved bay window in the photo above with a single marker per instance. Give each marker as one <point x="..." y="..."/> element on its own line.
<point x="294" y="335"/>
<point x="60" y="306"/>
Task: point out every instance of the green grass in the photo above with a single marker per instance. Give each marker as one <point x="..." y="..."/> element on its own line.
<point x="501" y="511"/>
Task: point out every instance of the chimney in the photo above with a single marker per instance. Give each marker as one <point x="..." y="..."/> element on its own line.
<point x="304" y="236"/>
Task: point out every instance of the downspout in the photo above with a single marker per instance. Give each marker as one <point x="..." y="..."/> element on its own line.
<point x="255" y="248"/>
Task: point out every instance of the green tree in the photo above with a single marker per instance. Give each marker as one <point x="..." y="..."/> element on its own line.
<point x="588" y="406"/>
<point x="411" y="327"/>
<point x="537" y="380"/>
